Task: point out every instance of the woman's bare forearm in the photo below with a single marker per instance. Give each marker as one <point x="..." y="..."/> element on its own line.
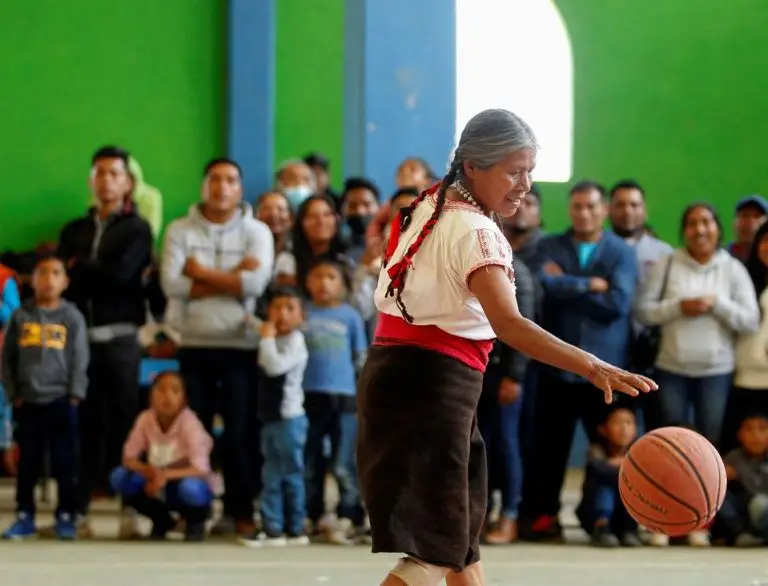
<point x="525" y="336"/>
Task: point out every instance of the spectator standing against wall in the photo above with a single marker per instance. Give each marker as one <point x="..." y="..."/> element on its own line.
<point x="589" y="277"/>
<point x="45" y="362"/>
<point x="107" y="253"/>
<point x="750" y="383"/>
<point x="751" y="212"/>
<point x="524" y="233"/>
<point x="10" y="301"/>
<point x="499" y="412"/>
<point x="701" y="299"/>
<point x="216" y="262"/>
<point x="628" y="219"/>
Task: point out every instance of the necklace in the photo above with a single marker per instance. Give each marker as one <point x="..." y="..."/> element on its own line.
<point x="467" y="196"/>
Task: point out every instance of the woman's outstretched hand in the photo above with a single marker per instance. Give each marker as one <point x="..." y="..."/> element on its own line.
<point x="609" y="378"/>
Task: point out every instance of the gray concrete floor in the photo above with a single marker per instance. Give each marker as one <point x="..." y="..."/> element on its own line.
<point x="174" y="564"/>
<point x="106" y="562"/>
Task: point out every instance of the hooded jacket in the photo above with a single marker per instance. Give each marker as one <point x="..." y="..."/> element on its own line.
<point x="148" y="199"/>
<point x="752" y="353"/>
<point x="702" y="345"/>
<point x="218" y="321"/>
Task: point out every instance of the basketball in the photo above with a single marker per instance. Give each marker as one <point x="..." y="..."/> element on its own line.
<point x="672" y="481"/>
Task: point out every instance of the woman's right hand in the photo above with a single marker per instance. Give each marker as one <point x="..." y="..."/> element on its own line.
<point x="609" y="378"/>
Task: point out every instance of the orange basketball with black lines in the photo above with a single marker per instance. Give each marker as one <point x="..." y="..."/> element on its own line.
<point x="672" y="481"/>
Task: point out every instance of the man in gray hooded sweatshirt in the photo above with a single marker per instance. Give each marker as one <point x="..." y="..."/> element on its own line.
<point x="216" y="262"/>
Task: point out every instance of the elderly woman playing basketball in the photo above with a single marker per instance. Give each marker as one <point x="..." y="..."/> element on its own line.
<point x="445" y="292"/>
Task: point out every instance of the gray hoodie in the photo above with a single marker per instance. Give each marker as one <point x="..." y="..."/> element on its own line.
<point x="46" y="354"/>
<point x="218" y="321"/>
<point x="703" y="345"/>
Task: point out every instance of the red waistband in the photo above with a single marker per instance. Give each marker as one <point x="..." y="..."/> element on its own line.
<point x="395" y="331"/>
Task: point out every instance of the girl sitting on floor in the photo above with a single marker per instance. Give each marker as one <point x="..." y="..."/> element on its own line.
<point x="166" y="462"/>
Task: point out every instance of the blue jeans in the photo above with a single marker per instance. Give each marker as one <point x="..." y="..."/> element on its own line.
<point x="500" y="427"/>
<point x="708" y="395"/>
<point x="601" y="502"/>
<point x="331" y="416"/>
<point x="191" y="497"/>
<point x="282" y="446"/>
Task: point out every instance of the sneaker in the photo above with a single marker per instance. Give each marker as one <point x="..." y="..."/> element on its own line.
<point x="261" y="539"/>
<point x="245" y="527"/>
<point x="160" y="529"/>
<point x="22" y="528"/>
<point x="224" y="527"/>
<point x="194" y="532"/>
<point x="84" y="528"/>
<point x="65" y="527"/>
<point x="602" y="537"/>
<point x="748" y="540"/>
<point x="503" y="534"/>
<point x="341" y="532"/>
<point x="297" y="540"/>
<point x="129" y="525"/>
<point x="631" y="539"/>
<point x="542" y="529"/>
<point x="658" y="540"/>
<point x="362" y="536"/>
<point x="698" y="539"/>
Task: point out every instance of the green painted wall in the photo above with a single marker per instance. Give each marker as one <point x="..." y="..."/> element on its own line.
<point x="309" y="111"/>
<point x="146" y="74"/>
<point x="673" y="93"/>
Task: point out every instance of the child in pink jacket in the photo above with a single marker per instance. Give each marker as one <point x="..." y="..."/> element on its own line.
<point x="166" y="462"/>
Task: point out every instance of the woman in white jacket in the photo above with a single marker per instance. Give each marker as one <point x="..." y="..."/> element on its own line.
<point x="750" y="392"/>
<point x="702" y="298"/>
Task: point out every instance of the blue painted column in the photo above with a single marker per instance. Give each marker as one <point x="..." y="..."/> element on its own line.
<point x="251" y="91"/>
<point x="400" y="87"/>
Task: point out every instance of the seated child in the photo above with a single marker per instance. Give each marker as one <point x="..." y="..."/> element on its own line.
<point x="45" y="363"/>
<point x="744" y="514"/>
<point x="280" y="407"/>
<point x="166" y="462"/>
<point x="601" y="512"/>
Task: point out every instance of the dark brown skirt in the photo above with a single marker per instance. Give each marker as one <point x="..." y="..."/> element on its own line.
<point x="420" y="456"/>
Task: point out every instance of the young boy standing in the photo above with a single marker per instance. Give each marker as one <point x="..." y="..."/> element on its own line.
<point x="44" y="363"/>
<point x="282" y="360"/>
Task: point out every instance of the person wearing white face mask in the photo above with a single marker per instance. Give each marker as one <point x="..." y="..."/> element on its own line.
<point x="296" y="180"/>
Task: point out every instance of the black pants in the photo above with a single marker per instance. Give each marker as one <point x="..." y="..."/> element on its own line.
<point x="334" y="417"/>
<point x="559" y="406"/>
<point x="53" y="426"/>
<point x="225" y="381"/>
<point x="108" y="413"/>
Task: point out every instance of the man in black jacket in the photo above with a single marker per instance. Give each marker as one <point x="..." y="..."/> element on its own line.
<point x="107" y="253"/>
<point x="499" y="415"/>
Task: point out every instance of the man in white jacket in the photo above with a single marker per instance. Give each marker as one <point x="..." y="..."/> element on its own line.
<point x="216" y="262"/>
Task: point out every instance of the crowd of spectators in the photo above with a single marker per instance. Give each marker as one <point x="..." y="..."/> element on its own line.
<point x="264" y="314"/>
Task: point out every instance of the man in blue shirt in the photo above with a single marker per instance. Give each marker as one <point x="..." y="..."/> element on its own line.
<point x="589" y="276"/>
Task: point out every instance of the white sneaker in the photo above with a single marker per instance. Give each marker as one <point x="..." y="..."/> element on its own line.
<point x="748" y="540"/>
<point x="297" y="540"/>
<point x="340" y="533"/>
<point x="658" y="540"/>
<point x="261" y="540"/>
<point x="698" y="539"/>
<point x="129" y="525"/>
